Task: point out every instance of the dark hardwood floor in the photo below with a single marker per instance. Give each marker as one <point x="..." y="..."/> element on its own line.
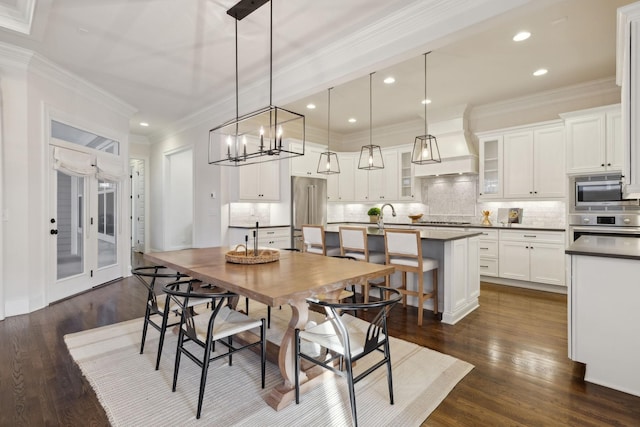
<point x="517" y="341"/>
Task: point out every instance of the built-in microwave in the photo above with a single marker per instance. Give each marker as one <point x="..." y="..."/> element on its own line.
<point x="599" y="191"/>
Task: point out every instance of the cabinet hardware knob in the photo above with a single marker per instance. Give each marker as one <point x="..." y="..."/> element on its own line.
<point x="602" y="164"/>
<point x="608" y="164"/>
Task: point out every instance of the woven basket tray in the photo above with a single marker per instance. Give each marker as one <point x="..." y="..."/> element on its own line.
<point x="241" y="256"/>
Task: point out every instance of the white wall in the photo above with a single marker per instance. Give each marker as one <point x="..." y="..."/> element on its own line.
<point x="32" y="87"/>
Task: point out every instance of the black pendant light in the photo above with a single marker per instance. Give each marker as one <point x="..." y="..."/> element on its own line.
<point x="328" y="163"/>
<point x="370" y="155"/>
<point x="425" y="147"/>
<point x="258" y="136"/>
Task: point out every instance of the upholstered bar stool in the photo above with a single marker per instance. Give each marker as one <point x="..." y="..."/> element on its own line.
<point x="314" y="241"/>
<point x="354" y="243"/>
<point x="403" y="250"/>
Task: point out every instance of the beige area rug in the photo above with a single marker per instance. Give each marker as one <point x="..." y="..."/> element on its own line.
<point x="133" y="393"/>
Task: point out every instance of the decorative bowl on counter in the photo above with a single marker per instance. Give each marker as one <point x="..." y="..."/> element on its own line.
<point x="415" y="218"/>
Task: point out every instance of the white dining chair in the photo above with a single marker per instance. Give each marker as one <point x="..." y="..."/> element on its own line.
<point x="403" y="250"/>
<point x="354" y="243"/>
<point x="314" y="241"/>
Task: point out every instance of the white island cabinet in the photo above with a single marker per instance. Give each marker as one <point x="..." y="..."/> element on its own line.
<point x="458" y="273"/>
<point x="604" y="310"/>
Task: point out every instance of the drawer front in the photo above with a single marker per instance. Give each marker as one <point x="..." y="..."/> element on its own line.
<point x="532" y="236"/>
<point x="488" y="234"/>
<point x="488" y="248"/>
<point x="488" y="267"/>
<point x="274" y="233"/>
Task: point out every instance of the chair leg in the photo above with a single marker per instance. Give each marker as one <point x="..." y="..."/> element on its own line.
<point x="352" y="391"/>
<point x="420" y="297"/>
<point x="203" y="376"/>
<point x="263" y="351"/>
<point x="365" y="291"/>
<point x="147" y="314"/>
<point x="389" y="375"/>
<point x="176" y="367"/>
<point x="296" y="366"/>
<point x="269" y="316"/>
<point x="404" y="287"/>
<point x="163" y="329"/>
<point x="435" y="291"/>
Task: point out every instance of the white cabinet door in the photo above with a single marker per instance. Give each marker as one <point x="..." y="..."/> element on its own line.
<point x="306" y="165"/>
<point x="491" y="171"/>
<point x="547" y="263"/>
<point x="346" y="178"/>
<point x="585" y="147"/>
<point x="361" y="185"/>
<point x="383" y="183"/>
<point x="549" y="171"/>
<point x="259" y="181"/>
<point x="514" y="260"/>
<point x="615" y="141"/>
<point x="518" y="165"/>
<point x="341" y="186"/>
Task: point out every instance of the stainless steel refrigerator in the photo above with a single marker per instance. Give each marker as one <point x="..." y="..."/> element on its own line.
<point x="308" y="205"/>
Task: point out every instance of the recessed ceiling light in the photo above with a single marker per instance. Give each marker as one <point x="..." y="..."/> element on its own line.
<point x="540" y="72"/>
<point x="145" y="124"/>
<point x="426" y="101"/>
<point x="389" y="80"/>
<point x="352" y="120"/>
<point x="522" y="35"/>
<point x="311" y="106"/>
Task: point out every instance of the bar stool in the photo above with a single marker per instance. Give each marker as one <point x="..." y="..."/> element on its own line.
<point x="354" y="243"/>
<point x="403" y="250"/>
<point x="314" y="241"/>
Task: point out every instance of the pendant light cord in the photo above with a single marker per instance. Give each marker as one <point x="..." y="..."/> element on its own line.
<point x="329" y="121"/>
<point x="426" y="132"/>
<point x="271" y="53"/>
<point x="370" y="109"/>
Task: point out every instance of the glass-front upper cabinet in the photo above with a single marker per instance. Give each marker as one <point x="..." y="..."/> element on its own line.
<point x="490" y="182"/>
<point x="409" y="186"/>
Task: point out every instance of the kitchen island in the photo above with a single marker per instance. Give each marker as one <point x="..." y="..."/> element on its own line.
<point x="459" y="273"/>
<point x="604" y="309"/>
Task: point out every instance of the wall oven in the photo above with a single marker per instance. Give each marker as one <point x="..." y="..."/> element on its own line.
<point x="605" y="224"/>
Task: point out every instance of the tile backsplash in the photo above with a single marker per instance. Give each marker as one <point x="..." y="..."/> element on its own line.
<point x="448" y="198"/>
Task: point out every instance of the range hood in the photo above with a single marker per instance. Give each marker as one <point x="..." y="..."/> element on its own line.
<point x="457" y="150"/>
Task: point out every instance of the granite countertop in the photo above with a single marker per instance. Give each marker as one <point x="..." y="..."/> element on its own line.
<point x="424" y="234"/>
<point x="549" y="227"/>
<point x="606" y="246"/>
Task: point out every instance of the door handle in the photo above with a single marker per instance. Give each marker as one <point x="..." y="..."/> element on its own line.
<point x="53" y="231"/>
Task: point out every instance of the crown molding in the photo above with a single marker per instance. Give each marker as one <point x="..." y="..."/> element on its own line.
<point x="600" y="87"/>
<point x="14" y="57"/>
<point x="47" y="69"/>
<point x="18" y="18"/>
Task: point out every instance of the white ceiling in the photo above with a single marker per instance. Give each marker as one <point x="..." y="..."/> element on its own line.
<point x="172" y="58"/>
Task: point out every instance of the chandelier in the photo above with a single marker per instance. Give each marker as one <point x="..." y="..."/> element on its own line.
<point x="258" y="136"/>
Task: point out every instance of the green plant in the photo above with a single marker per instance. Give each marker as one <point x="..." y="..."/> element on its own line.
<point x="373" y="211"/>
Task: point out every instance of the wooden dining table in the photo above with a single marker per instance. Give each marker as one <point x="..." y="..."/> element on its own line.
<point x="291" y="280"/>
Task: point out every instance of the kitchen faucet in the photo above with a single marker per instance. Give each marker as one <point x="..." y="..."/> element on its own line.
<point x="381" y="218"/>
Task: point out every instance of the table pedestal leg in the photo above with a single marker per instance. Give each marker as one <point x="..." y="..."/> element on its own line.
<point x="283" y="394"/>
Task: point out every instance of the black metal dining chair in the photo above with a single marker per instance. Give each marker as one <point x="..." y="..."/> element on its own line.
<point x="219" y="326"/>
<point x="158" y="304"/>
<point x="345" y="343"/>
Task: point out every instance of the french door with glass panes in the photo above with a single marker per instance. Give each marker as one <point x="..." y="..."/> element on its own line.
<point x="85" y="211"/>
<point x="84" y="229"/>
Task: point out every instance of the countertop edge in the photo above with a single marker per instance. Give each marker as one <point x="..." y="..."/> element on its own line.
<point x="252" y="227"/>
<point x="478" y="226"/>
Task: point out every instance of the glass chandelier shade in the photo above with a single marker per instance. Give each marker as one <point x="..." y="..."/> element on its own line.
<point x="370" y="155"/>
<point x="425" y="147"/>
<point x="258" y="136"/>
<point x="328" y="162"/>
